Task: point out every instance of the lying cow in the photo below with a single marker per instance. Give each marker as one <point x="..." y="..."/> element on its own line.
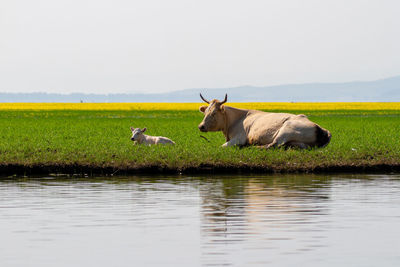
<point x="139" y="137"/>
<point x="252" y="127"/>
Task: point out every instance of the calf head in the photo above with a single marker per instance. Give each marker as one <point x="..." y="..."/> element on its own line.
<point x="214" y="119"/>
<point x="137" y="133"/>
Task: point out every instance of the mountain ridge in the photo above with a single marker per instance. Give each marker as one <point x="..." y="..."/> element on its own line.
<point x="382" y="90"/>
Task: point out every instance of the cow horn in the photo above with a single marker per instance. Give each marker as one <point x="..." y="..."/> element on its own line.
<point x="226" y="99"/>
<point x="208" y="102"/>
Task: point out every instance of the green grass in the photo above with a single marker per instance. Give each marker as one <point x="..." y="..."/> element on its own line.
<point x="101" y="139"/>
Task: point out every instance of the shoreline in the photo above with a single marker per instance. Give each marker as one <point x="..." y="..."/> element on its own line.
<point x="7" y="170"/>
<point x="97" y="143"/>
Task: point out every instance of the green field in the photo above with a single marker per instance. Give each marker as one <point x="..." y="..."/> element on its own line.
<point x="99" y="142"/>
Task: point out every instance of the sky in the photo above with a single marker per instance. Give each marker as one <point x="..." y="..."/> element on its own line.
<point x="129" y="46"/>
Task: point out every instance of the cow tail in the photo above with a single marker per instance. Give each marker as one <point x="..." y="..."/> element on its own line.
<point x="323" y="137"/>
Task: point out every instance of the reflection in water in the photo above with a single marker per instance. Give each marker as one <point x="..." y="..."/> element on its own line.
<point x="211" y="221"/>
<point x="254" y="211"/>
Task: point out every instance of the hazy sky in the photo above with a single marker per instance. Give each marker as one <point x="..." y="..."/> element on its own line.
<point x="102" y="46"/>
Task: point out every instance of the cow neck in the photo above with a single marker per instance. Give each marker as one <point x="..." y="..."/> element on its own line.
<point x="234" y="115"/>
<point x="225" y="131"/>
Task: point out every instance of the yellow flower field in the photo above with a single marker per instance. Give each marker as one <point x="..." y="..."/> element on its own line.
<point x="195" y="106"/>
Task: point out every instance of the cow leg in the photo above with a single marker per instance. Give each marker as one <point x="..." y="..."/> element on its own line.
<point x="280" y="140"/>
<point x="235" y="142"/>
<point x="293" y="134"/>
<point x="283" y="137"/>
<point x="297" y="144"/>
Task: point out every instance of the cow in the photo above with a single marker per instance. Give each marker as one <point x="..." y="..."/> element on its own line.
<point x="243" y="127"/>
<point x="139" y="137"/>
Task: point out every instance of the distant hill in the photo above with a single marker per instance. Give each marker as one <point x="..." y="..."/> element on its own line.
<point x="385" y="90"/>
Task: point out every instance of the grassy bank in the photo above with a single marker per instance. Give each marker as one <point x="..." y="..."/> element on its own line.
<point x="93" y="140"/>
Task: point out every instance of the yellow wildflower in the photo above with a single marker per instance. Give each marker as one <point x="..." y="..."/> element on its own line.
<point x="194" y="106"/>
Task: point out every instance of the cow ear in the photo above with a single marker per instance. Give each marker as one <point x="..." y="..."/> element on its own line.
<point x="203" y="108"/>
<point x="222" y="107"/>
<point x="144" y="129"/>
<point x="132" y="129"/>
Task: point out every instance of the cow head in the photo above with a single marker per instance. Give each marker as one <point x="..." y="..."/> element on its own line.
<point x="137" y="133"/>
<point x="214" y="118"/>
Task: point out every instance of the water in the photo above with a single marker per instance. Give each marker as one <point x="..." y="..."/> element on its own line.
<point x="201" y="221"/>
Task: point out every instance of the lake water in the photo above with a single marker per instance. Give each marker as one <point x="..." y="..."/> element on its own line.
<point x="305" y="220"/>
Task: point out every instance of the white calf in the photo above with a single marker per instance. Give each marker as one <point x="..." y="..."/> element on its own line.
<point x="139" y="137"/>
